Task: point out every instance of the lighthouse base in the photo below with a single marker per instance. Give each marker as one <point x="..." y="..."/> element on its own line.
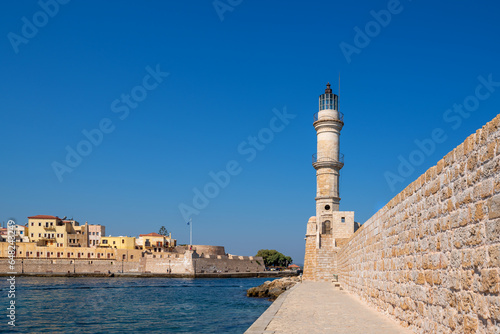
<point x="323" y="241"/>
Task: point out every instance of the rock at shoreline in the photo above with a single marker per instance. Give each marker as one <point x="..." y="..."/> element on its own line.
<point x="272" y="289"/>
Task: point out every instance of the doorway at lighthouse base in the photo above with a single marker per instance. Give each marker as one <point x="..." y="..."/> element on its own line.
<point x="323" y="241"/>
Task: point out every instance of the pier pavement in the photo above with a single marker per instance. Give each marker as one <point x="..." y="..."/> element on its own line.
<point x="319" y="308"/>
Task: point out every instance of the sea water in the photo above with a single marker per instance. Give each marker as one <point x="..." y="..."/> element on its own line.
<point x="131" y="305"/>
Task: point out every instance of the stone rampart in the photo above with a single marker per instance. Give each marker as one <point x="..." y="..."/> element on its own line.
<point x="430" y="258"/>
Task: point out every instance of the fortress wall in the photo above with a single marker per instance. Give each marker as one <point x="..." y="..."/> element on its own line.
<point x="203" y="249"/>
<point x="431" y="257"/>
<point x="173" y="265"/>
<point x="209" y="250"/>
<point x="225" y="264"/>
<point x="63" y="266"/>
<point x="128" y="261"/>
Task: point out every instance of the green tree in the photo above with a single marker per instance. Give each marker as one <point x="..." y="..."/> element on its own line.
<point x="163" y="231"/>
<point x="272" y="257"/>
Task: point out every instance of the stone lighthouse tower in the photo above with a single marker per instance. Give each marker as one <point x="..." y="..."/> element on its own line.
<point x="327" y="231"/>
<point x="328" y="160"/>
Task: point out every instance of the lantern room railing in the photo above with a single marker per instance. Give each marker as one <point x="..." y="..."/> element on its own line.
<point x="341" y="117"/>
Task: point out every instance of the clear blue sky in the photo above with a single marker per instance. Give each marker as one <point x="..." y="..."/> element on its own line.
<point x="225" y="78"/>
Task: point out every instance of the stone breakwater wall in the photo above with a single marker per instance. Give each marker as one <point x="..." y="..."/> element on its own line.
<point x="431" y="257"/>
<point x="228" y="264"/>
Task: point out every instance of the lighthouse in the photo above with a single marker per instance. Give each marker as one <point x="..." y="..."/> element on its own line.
<point x="328" y="161"/>
<point x="330" y="227"/>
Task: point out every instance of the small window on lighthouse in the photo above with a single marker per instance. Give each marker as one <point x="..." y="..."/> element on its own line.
<point x="327" y="207"/>
<point x="342" y="219"/>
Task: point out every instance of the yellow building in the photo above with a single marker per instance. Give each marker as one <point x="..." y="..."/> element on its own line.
<point x="118" y="242"/>
<point x="56" y="232"/>
<point x="155" y="242"/>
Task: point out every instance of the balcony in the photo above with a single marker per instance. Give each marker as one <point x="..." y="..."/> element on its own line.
<point x="49" y="227"/>
<point x="327" y="161"/>
<point x="340" y="119"/>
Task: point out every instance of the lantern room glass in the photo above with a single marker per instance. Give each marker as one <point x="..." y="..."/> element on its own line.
<point x="328" y="101"/>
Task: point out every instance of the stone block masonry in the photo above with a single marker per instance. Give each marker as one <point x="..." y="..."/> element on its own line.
<point x="431" y="257"/>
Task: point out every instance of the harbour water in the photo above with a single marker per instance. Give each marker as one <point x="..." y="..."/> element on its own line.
<point x="132" y="305"/>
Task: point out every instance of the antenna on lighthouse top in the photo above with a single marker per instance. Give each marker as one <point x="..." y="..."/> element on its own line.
<point x="339" y="84"/>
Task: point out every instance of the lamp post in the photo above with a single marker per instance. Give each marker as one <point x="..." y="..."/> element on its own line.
<point x="190" y="223"/>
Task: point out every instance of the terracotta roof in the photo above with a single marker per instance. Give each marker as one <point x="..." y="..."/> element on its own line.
<point x="293" y="266"/>
<point x="43" y="217"/>
<point x="151" y="235"/>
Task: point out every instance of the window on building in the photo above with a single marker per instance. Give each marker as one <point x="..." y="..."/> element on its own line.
<point x="114" y="242"/>
<point x="342" y="219"/>
<point x="40" y="224"/>
<point x="32" y="235"/>
<point x="39" y="235"/>
<point x="32" y="224"/>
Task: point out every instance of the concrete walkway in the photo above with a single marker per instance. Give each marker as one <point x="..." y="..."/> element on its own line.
<point x="318" y="308"/>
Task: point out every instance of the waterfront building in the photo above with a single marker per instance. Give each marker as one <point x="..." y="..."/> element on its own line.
<point x="155" y="242"/>
<point x="118" y="242"/>
<point x="330" y="227"/>
<point x="20" y="234"/>
<point x="3" y="234"/>
<point x="53" y="231"/>
<point x="96" y="231"/>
